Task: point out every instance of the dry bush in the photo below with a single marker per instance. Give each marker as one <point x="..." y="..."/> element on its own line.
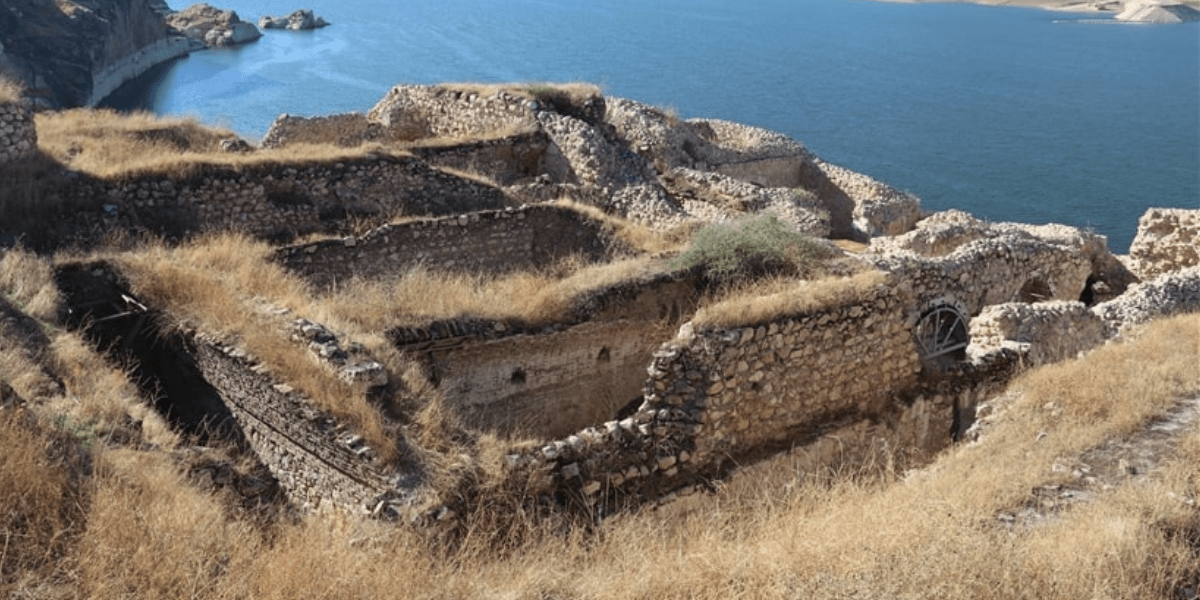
<point x="767" y="299"/>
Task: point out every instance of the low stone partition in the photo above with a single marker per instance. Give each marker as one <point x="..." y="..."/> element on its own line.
<point x="346" y="130"/>
<point x="18" y="136"/>
<point x="1168" y="239"/>
<point x="1042" y="333"/>
<point x="529" y="237"/>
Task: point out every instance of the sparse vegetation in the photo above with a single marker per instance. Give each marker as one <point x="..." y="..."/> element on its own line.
<point x="750" y="247"/>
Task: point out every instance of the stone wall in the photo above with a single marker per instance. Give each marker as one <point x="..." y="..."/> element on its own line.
<point x="411" y="112"/>
<point x="550" y="381"/>
<point x="529" y="237"/>
<point x="276" y="201"/>
<point x="346" y="129"/>
<point x="830" y="383"/>
<point x="318" y="461"/>
<point x="1168" y="239"/>
<point x="989" y="271"/>
<point x="18" y="136"/>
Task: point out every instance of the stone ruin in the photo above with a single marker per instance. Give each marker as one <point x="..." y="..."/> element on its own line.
<point x="634" y="402"/>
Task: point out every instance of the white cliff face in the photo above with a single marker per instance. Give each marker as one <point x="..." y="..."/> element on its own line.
<point x="1157" y="12"/>
<point x="111" y="41"/>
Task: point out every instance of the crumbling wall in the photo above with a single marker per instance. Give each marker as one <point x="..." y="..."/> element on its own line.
<point x="989" y="271"/>
<point x="277" y="201"/>
<point x="529" y="237"/>
<point x="18" y="136"/>
<point x="411" y="112"/>
<point x="345" y="129"/>
<point x="1168" y="239"/>
<point x="550" y="381"/>
<point x="1042" y="333"/>
<point x="941" y="234"/>
<point x="832" y="383"/>
<point x="316" y="460"/>
<point x="1166" y="295"/>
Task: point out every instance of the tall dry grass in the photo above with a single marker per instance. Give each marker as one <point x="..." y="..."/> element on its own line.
<point x="217" y="285"/>
<point x="107" y="144"/>
<point x="39" y="502"/>
<point x="11" y="90"/>
<point x="761" y="300"/>
<point x="422" y="295"/>
<point x="775" y="532"/>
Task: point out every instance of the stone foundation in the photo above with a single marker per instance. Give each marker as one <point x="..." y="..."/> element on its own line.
<point x="18" y="136"/>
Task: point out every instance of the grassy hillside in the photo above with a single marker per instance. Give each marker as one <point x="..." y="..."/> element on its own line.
<point x="91" y="512"/>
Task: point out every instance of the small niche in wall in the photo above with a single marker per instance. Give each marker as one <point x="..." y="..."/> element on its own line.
<point x="517" y="377"/>
<point x="603" y="356"/>
<point x="1035" y="290"/>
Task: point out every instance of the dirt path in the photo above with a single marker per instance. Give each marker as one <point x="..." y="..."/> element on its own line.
<point x="1116" y="462"/>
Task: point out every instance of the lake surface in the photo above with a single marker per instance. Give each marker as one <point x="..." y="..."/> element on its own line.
<point x="1011" y="114"/>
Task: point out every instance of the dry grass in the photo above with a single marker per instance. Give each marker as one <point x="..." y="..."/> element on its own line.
<point x="766" y="299"/>
<point x="212" y="285"/>
<point x="637" y="237"/>
<point x="38" y="498"/>
<point x="11" y="91"/>
<point x="421" y="296"/>
<point x="775" y="532"/>
<point x="108" y="144"/>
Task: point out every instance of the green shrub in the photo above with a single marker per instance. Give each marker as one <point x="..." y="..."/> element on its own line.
<point x="749" y="247"/>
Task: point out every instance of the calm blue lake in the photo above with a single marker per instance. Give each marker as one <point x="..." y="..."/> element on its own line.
<point x="1008" y="113"/>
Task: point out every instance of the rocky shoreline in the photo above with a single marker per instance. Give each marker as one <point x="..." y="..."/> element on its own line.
<point x="1137" y="11"/>
<point x="69" y="54"/>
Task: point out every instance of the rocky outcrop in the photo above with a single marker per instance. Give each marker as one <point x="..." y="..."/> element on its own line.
<point x="213" y="26"/>
<point x="1168" y="239"/>
<point x="299" y="20"/>
<point x="75" y="53"/>
<point x="1157" y="13"/>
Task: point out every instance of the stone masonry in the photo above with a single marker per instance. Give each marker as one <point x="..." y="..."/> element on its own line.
<point x="528" y="237"/>
<point x="18" y="136"/>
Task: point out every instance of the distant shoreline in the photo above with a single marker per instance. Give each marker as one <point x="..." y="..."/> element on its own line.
<point x="1092" y="6"/>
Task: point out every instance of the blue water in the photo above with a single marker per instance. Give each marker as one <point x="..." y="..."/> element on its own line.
<point x="1008" y="113"/>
